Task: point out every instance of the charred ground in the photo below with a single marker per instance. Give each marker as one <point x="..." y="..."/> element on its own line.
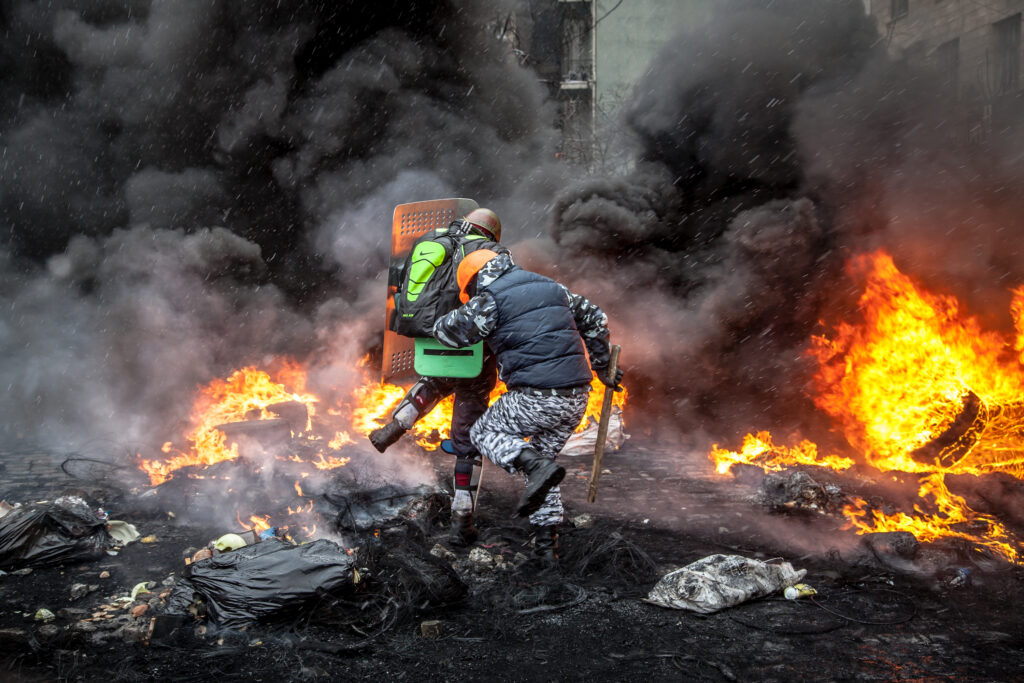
<point x="877" y="616"/>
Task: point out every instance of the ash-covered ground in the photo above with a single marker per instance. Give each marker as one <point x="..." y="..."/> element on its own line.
<point x="878" y="615"/>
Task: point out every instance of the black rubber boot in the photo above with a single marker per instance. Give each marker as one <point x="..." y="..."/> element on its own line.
<point x="542" y="474"/>
<point x="462" y="531"/>
<point x="545" y="545"/>
<point x="384" y="436"/>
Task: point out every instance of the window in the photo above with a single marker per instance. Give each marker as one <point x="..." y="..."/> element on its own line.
<point x="900" y="8"/>
<point x="947" y="58"/>
<point x="1007" y="54"/>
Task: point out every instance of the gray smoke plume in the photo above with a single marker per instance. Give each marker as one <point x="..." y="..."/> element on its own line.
<point x="773" y="143"/>
<point x="187" y="188"/>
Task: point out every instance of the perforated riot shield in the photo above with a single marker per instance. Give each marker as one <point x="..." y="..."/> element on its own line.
<point x="410" y="222"/>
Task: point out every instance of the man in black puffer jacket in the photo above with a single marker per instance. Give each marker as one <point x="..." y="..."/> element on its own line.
<point x="541" y="334"/>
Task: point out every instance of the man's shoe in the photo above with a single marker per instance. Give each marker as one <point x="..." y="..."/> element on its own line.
<point x="384" y="436"/>
<point x="542" y="475"/>
<point x="462" y="532"/>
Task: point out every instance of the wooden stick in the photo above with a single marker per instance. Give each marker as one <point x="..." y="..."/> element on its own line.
<point x="602" y="426"/>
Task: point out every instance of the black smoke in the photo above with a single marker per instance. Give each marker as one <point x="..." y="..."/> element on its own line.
<point x="772" y="143"/>
<point x="186" y="188"/>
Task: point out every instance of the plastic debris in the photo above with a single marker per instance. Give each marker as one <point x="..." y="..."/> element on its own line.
<point x="584" y="521"/>
<point x="140" y="588"/>
<point x="583" y="443"/>
<point x="796" y="491"/>
<point x="44" y="614"/>
<point x="49" y="533"/>
<point x="122" y="532"/>
<point x="262" y="581"/>
<point x="961" y="578"/>
<point x="229" y="542"/>
<point x="719" y="581"/>
<point x="799" y="590"/>
<point x="390" y="504"/>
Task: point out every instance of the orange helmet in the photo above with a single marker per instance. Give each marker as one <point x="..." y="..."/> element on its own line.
<point x="486" y="220"/>
<point x="469" y="267"/>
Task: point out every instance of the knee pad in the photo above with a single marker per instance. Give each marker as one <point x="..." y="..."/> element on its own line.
<point x="417" y="402"/>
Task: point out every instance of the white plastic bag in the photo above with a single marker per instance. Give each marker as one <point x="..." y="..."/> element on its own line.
<point x="583" y="443"/>
<point x="719" y="581"/>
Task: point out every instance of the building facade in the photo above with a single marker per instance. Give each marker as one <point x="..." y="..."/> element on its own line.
<point x="975" y="46"/>
<point x="592" y="53"/>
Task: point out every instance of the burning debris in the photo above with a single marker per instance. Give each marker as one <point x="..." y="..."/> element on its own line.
<point x="796" y="491"/>
<point x="181" y="207"/>
<point x="916" y="387"/>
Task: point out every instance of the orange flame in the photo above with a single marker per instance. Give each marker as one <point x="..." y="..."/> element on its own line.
<point x="259" y="524"/>
<point x="759" y="450"/>
<point x="375" y="403"/>
<point x="245" y="395"/>
<point x="918" y="386"/>
<point x="899" y="380"/>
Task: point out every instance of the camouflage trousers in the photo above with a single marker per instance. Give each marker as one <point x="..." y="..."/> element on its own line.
<point x="517" y="420"/>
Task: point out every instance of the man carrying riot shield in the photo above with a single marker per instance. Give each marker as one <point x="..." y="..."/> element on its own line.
<point x="422" y="288"/>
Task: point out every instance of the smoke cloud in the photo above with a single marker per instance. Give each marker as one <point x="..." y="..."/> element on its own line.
<point x="772" y="144"/>
<point x="186" y="188"/>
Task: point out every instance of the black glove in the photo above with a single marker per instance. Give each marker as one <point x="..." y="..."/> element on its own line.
<point x="609" y="381"/>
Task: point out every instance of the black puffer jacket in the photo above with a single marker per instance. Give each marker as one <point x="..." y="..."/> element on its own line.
<point x="535" y="339"/>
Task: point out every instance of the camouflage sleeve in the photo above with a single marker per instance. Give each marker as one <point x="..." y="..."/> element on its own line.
<point x="469" y="323"/>
<point x="593" y="326"/>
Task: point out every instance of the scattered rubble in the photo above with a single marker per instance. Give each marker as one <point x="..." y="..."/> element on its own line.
<point x="796" y="491"/>
<point x="431" y="628"/>
<point x="889" y="544"/>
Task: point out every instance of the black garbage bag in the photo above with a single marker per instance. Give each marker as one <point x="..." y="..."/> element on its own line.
<point x="44" y="534"/>
<point x="268" y="580"/>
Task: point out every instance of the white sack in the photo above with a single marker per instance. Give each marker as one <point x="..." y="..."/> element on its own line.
<point x="583" y="443"/>
<point x="719" y="581"/>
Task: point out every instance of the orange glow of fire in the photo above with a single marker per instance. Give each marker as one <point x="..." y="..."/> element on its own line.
<point x="916" y="385"/>
<point x="899" y="379"/>
<point x="340" y="439"/>
<point x="301" y="509"/>
<point x="951" y="512"/>
<point x="330" y="462"/>
<point x="258" y="524"/>
<point x="759" y="450"/>
<point x="375" y="402"/>
<point x="245" y="395"/>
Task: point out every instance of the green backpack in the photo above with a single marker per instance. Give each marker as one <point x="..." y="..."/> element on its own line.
<point x="428" y="289"/>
